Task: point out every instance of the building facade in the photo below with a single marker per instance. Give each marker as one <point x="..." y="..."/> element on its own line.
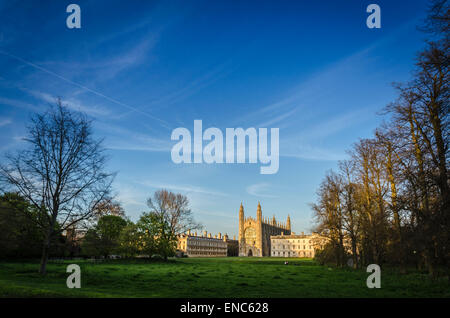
<point x="254" y="234"/>
<point x="296" y="245"/>
<point x="232" y="247"/>
<point x="193" y="245"/>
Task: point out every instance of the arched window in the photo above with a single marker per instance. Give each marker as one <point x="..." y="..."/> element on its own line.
<point x="250" y="236"/>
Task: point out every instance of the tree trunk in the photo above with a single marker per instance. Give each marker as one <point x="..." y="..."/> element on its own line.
<point x="44" y="257"/>
<point x="341" y="250"/>
<point x="354" y="252"/>
<point x="46" y="250"/>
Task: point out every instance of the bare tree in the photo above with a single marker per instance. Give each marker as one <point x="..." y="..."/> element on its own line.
<point x="387" y="143"/>
<point x="351" y="197"/>
<point x="370" y="163"/>
<point x="61" y="172"/>
<point x="328" y="214"/>
<point x="438" y="19"/>
<point x="174" y="208"/>
<point x="108" y="207"/>
<point x="396" y="187"/>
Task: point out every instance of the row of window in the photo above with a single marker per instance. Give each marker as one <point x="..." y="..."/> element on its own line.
<point x="195" y="242"/>
<point x="293" y="254"/>
<point x="305" y="247"/>
<point x="206" y="248"/>
<point x="207" y="253"/>
<point x="293" y="241"/>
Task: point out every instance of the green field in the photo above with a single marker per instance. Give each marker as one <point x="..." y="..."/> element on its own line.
<point x="211" y="277"/>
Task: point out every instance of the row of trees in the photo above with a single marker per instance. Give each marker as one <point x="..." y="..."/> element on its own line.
<point x="107" y="233"/>
<point x="59" y="183"/>
<point x="20" y="237"/>
<point x="61" y="173"/>
<point x="155" y="233"/>
<point x="390" y="201"/>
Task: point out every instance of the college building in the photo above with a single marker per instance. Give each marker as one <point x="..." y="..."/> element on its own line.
<point x="254" y="234"/>
<point x="296" y="245"/>
<point x="258" y="236"/>
<point x="206" y="245"/>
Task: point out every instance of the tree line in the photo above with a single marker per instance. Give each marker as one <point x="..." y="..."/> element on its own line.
<point x="390" y="201"/>
<point x="59" y="183"/>
<point x="109" y="232"/>
<point x="153" y="235"/>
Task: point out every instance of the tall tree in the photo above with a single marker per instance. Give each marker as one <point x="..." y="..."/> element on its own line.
<point x="351" y="197"/>
<point x="130" y="240"/>
<point x="156" y="236"/>
<point x="61" y="173"/>
<point x="329" y="214"/>
<point x="171" y="211"/>
<point x="103" y="239"/>
<point x="401" y="192"/>
<point x="174" y="208"/>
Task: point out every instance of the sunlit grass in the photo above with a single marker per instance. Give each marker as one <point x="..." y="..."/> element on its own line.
<point x="212" y="277"/>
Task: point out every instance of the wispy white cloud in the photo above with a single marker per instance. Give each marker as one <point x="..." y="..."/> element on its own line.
<point x="121" y="138"/>
<point x="130" y="196"/>
<point x="260" y="190"/>
<point x="304" y="127"/>
<point x="163" y="123"/>
<point x="72" y="103"/>
<point x="308" y="152"/>
<point x="331" y="126"/>
<point x="325" y="84"/>
<point x="5" y="121"/>
<point x="277" y="120"/>
<point x="135" y="147"/>
<point x="304" y="144"/>
<point x="194" y="86"/>
<point x="16" y="103"/>
<point x="19" y="138"/>
<point x="106" y="67"/>
<point x="183" y="188"/>
<point x="217" y="214"/>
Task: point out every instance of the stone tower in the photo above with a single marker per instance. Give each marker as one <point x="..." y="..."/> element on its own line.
<point x="254" y="233"/>
<point x="241" y="223"/>
<point x="259" y="243"/>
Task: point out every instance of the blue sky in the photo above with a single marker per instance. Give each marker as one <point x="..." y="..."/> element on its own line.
<point x="141" y="69"/>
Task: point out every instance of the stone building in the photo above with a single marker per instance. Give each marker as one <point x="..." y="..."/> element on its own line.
<point x="254" y="234"/>
<point x="206" y="245"/>
<point x="232" y="246"/>
<point x="296" y="245"/>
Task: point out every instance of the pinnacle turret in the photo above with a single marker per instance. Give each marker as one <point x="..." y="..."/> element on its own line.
<point x="258" y="213"/>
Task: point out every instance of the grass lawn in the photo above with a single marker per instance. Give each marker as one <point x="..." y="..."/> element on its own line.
<point x="211" y="277"/>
